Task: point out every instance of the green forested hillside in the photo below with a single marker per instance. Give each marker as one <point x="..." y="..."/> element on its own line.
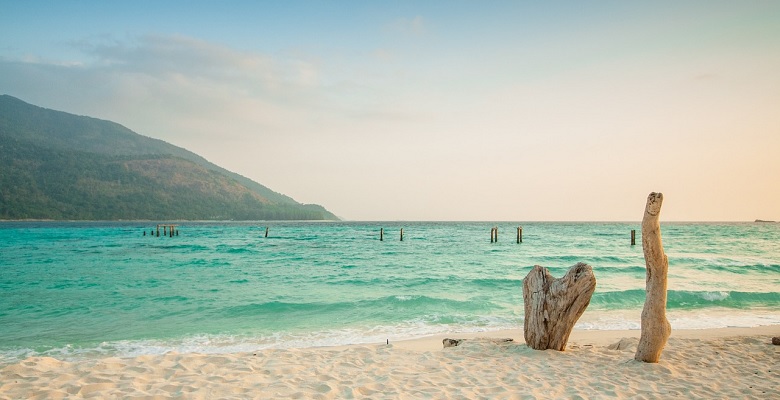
<point x="55" y="165"/>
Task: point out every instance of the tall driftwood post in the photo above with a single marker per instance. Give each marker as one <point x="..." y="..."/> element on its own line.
<point x="553" y="306"/>
<point x="402" y="234"/>
<point x="633" y="237"/>
<point x="655" y="326"/>
<point x="381" y="234"/>
<point x="519" y="234"/>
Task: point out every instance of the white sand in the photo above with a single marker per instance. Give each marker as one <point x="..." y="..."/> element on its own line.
<point x="720" y="363"/>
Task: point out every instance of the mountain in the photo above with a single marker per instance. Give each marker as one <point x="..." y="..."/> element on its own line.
<point x="55" y="165"/>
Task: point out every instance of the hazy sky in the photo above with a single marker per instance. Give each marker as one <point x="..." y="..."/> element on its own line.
<point x="434" y="110"/>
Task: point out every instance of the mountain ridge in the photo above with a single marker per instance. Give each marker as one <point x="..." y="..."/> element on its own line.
<point x="42" y="149"/>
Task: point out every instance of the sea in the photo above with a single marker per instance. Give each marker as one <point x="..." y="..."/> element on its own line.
<point x="76" y="290"/>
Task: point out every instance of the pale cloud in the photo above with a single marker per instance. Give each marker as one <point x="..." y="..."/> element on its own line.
<point x="169" y="55"/>
<point x="414" y="26"/>
<point x="384" y="55"/>
<point x="34" y="59"/>
<point x="170" y="79"/>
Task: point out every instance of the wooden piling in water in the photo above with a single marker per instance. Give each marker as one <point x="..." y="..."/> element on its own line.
<point x="168" y="230"/>
<point x="633" y="237"/>
<point x="402" y="234"/>
<point x="519" y="234"/>
<point x="381" y="234"/>
<point x="266" y="231"/>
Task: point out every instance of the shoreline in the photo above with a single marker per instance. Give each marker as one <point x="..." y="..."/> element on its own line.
<point x="588" y="337"/>
<point x="723" y="363"/>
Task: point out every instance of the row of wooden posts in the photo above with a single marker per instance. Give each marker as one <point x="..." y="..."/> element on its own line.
<point x="493" y="235"/>
<point x="170" y="230"/>
<point x="382" y="234"/>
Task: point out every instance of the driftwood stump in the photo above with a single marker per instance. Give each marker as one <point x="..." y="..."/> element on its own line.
<point x="655" y="326"/>
<point x="553" y="306"/>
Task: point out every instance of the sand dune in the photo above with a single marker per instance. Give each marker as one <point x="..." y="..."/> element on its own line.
<point x="730" y="363"/>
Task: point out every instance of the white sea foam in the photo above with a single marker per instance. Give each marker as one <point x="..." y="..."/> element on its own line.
<point x="715" y="296"/>
<point x="708" y="319"/>
<point x="222" y="344"/>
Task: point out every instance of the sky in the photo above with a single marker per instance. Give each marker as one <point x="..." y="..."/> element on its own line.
<point x="434" y="110"/>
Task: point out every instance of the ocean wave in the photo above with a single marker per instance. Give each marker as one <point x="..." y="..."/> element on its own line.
<point x="736" y="263"/>
<point x="171" y="299"/>
<point x="249" y="342"/>
<point x="742" y="269"/>
<point x="686" y="299"/>
<point x="203" y="262"/>
<point x="620" y="270"/>
<point x="609" y="260"/>
<point x="401" y="282"/>
<point x="223" y="343"/>
<point x="711" y="318"/>
<point x="730" y="299"/>
<point x="183" y="247"/>
<point x="498" y="283"/>
<point x="413" y="304"/>
<point x="235" y="250"/>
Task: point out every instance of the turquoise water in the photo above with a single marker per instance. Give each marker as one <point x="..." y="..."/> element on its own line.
<point x="91" y="289"/>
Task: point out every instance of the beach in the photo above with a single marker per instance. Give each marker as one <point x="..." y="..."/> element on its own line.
<point x="711" y="363"/>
